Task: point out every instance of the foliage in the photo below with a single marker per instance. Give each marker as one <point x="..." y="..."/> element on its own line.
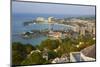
<point x="29" y="48"/>
<point x="49" y="44"/>
<point x="20" y="52"/>
<point x="52" y="54"/>
<point x="35" y="58"/>
<point x="17" y="57"/>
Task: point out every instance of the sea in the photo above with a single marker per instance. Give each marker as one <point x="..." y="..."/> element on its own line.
<point x="17" y="27"/>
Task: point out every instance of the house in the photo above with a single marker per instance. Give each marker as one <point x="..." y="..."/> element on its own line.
<point x="55" y="34"/>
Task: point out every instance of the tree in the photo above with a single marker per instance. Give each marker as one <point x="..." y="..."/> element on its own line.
<point x="29" y="48"/>
<point x="17" y="58"/>
<point x="20" y="52"/>
<point x="49" y="44"/>
<point x="52" y="54"/>
<point x="35" y="58"/>
<point x="18" y="46"/>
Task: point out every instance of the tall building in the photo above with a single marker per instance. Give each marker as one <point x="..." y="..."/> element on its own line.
<point x="82" y="30"/>
<point x="50" y="19"/>
<point x="94" y="30"/>
<point x="40" y="19"/>
<point x="90" y="27"/>
<point x="76" y="28"/>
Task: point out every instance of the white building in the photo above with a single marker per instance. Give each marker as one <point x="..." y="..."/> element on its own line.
<point x="55" y="34"/>
<point x="41" y="19"/>
<point x="50" y="19"/>
<point x="76" y="28"/>
<point x="60" y="60"/>
<point x="82" y="30"/>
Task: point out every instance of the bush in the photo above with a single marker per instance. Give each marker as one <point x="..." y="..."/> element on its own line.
<point x="29" y="48"/>
<point x="49" y="44"/>
<point x="35" y="58"/>
<point x="20" y="52"/>
<point x="52" y="54"/>
<point x="17" y="58"/>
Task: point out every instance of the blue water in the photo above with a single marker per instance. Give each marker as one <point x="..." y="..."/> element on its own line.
<point x="18" y="19"/>
<point x="18" y="27"/>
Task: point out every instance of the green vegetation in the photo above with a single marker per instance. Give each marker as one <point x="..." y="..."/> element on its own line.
<point x="18" y="53"/>
<point x="21" y="53"/>
<point x="49" y="44"/>
<point x="34" y="58"/>
<point x="29" y="48"/>
<point x="52" y="54"/>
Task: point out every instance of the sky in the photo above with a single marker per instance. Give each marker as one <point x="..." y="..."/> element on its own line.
<point x="44" y="8"/>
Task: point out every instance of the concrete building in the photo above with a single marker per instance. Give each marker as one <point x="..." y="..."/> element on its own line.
<point x="82" y="30"/>
<point x="94" y="31"/>
<point x="40" y="19"/>
<point x="76" y="28"/>
<point x="60" y="60"/>
<point x="55" y="34"/>
<point x="90" y="27"/>
<point x="50" y="19"/>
